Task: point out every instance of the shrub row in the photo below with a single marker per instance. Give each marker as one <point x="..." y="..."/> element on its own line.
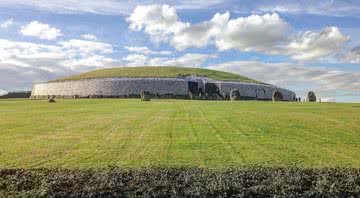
<point x="181" y="182"/>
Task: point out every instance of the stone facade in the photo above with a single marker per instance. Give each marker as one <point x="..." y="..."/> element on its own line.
<point x="111" y="87"/>
<point x="159" y="87"/>
<point x="255" y="91"/>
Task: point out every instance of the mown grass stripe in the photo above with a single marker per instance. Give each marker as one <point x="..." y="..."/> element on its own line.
<point x="214" y="134"/>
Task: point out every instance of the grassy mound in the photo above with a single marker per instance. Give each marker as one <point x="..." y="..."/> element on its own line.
<point x="160" y="72"/>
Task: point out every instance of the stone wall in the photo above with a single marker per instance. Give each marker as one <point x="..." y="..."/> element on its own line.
<point x="163" y="87"/>
<point x="254" y="90"/>
<point x="112" y="87"/>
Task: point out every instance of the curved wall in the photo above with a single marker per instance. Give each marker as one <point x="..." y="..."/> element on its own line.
<point x="253" y="90"/>
<point x="111" y="87"/>
<point x="131" y="87"/>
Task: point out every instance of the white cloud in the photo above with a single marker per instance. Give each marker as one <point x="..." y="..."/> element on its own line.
<point x="187" y="60"/>
<point x="268" y="33"/>
<point x="7" y="23"/>
<point x="90" y="37"/>
<point x="324" y="7"/>
<point x="256" y="32"/>
<point x="40" y="30"/>
<point x="91" y="61"/>
<point x="199" y="35"/>
<point x="24" y="63"/>
<point x="83" y="47"/>
<point x="325" y="82"/>
<point x="312" y="45"/>
<point x="3" y="92"/>
<point x="197" y="4"/>
<point x="146" y="50"/>
<point x="18" y="52"/>
<point x="123" y="7"/>
<point x="253" y="33"/>
<point x="136" y="60"/>
<point x="104" y="7"/>
<point x="159" y="21"/>
<point x="352" y="56"/>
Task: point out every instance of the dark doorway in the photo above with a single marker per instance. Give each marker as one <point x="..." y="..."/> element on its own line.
<point x="193" y="87"/>
<point x="211" y="89"/>
<point x="213" y="92"/>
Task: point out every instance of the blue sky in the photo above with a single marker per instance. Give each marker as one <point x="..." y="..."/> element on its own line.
<point x="299" y="45"/>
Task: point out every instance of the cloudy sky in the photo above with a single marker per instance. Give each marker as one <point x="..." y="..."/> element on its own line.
<point x="299" y="45"/>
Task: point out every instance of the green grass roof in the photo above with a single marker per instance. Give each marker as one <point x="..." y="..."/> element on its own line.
<point x="160" y="72"/>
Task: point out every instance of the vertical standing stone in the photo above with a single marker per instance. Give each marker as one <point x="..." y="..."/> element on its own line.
<point x="191" y="95"/>
<point x="145" y="96"/>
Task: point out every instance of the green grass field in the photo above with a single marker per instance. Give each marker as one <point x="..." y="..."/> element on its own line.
<point x="158" y="72"/>
<point x="172" y="133"/>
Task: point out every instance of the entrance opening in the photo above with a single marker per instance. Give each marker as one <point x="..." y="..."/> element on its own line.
<point x="213" y="91"/>
<point x="193" y="87"/>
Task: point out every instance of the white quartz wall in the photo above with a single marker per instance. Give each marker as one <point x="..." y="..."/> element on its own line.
<point x="260" y="91"/>
<point x="112" y="87"/>
<point x="161" y="86"/>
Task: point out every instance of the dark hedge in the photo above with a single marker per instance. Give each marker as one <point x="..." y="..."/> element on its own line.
<point x="181" y="182"/>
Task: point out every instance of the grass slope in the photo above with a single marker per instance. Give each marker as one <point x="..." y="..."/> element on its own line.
<point x="161" y="72"/>
<point x="173" y="133"/>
